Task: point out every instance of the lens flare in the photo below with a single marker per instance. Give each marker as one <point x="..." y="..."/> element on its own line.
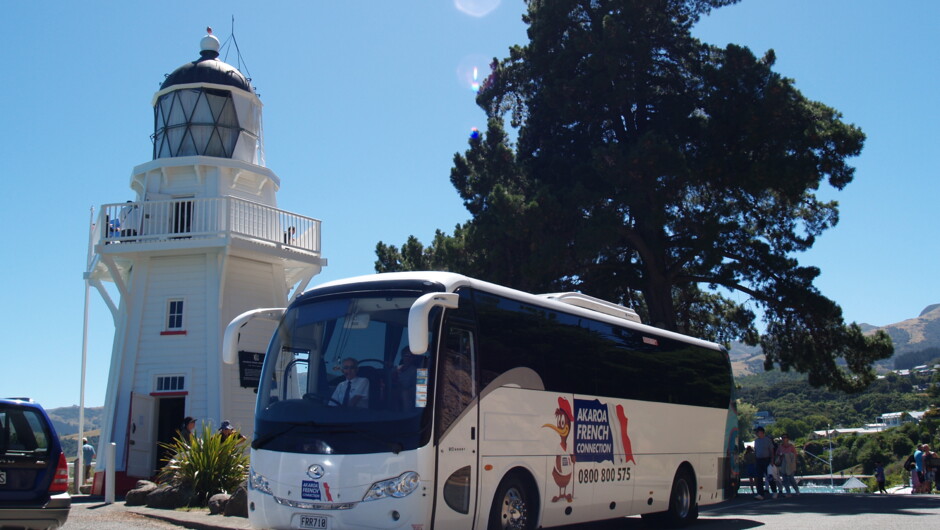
<point x="472" y="70"/>
<point x="476" y="8"/>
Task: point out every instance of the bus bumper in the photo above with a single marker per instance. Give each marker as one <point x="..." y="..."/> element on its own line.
<point x="413" y="511"/>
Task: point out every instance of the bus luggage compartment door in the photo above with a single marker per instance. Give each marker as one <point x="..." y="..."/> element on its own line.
<point x="456" y="430"/>
<point x="457" y="474"/>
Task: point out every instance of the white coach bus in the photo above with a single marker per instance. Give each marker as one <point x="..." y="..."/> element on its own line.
<point x="473" y="405"/>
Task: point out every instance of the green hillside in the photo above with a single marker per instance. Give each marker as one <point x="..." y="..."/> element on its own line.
<point x="65" y="420"/>
<point x="800" y="409"/>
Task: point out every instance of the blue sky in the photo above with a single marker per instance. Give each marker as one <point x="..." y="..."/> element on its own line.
<point x="366" y="103"/>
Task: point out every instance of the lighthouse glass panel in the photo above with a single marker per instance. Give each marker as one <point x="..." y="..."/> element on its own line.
<point x="319" y="345"/>
<point x="197" y="121"/>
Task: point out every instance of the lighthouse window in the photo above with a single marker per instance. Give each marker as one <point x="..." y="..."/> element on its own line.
<point x="170" y="383"/>
<point x="174" y="314"/>
<point x="197" y="121"/>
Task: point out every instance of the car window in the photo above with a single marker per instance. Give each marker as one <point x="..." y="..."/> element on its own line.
<point x="23" y="430"/>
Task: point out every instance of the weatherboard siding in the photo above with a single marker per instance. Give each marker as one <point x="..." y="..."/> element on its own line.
<point x="170" y="278"/>
<point x="249" y="284"/>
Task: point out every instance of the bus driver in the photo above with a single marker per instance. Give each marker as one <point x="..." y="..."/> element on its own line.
<point x="354" y="390"/>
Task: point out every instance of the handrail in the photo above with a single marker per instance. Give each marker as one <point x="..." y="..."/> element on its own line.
<point x="823" y="460"/>
<point x="206" y="218"/>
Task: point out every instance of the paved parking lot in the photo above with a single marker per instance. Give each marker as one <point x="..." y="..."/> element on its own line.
<point x="807" y="511"/>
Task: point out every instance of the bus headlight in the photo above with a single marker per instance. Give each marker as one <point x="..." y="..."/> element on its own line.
<point x="258" y="482"/>
<point x="400" y="486"/>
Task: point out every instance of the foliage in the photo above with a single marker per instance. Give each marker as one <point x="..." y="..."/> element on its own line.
<point x="746" y="415"/>
<point x="445" y="253"/>
<point x="657" y="171"/>
<point x="934" y="389"/>
<point x="207" y="464"/>
<point x="906" y="361"/>
<point x="790" y="396"/>
<point x="790" y="427"/>
<point x="800" y="409"/>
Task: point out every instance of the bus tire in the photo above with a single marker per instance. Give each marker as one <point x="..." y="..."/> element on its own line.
<point x="683" y="509"/>
<point x="515" y="505"/>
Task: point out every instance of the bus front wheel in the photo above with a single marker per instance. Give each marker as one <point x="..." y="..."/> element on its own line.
<point x="514" y="506"/>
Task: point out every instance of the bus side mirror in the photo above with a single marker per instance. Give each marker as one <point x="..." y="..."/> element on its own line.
<point x="230" y="338"/>
<point x="418" y="318"/>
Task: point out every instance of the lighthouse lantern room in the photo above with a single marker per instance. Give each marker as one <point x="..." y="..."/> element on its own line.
<point x="201" y="242"/>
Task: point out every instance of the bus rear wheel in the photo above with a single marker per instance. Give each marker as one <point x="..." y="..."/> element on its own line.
<point x="514" y="505"/>
<point x="682" y="506"/>
<point x="683" y="510"/>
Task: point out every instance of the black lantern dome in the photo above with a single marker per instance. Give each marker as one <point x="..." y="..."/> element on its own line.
<point x="208" y="69"/>
<point x="199" y="112"/>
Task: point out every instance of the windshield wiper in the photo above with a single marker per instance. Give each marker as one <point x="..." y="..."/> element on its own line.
<point x="258" y="443"/>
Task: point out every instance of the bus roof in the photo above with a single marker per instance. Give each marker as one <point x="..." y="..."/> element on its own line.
<point x="572" y="303"/>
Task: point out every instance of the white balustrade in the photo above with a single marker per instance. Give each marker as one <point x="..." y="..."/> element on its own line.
<point x="159" y="221"/>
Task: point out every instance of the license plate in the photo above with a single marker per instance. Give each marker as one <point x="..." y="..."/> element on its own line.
<point x="3" y="478"/>
<point x="319" y="522"/>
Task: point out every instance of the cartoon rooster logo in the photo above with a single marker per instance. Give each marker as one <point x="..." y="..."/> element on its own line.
<point x="564" y="463"/>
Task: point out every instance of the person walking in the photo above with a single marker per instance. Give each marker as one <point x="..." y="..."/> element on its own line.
<point x="930" y="460"/>
<point x="880" y="478"/>
<point x="787" y="459"/>
<point x="750" y="467"/>
<point x="763" y="455"/>
<point x="774" y="483"/>
<point x="88" y="454"/>
<point x="919" y="470"/>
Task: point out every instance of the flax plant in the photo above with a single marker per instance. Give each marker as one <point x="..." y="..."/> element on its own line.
<point x="206" y="464"/>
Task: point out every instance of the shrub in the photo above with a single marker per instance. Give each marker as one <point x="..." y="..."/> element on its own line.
<point x="901" y="446"/>
<point x="207" y="464"/>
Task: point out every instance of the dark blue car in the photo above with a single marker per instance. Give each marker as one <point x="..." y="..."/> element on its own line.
<point x="34" y="476"/>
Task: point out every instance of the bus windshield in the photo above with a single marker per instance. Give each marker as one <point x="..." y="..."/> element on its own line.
<point x="338" y="378"/>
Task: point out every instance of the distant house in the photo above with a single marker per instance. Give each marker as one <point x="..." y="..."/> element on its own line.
<point x="842" y="430"/>
<point x="885" y="421"/>
<point x="922" y="369"/>
<point x="895" y="419"/>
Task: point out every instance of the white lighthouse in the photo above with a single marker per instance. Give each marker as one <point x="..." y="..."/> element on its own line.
<point x="202" y="242"/>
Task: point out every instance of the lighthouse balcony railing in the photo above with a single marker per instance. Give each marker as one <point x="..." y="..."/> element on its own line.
<point x="210" y="218"/>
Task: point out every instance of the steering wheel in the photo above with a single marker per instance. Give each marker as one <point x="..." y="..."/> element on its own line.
<point x="380" y="362"/>
<point x="322" y="399"/>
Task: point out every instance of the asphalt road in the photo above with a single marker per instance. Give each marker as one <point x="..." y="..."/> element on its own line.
<point x="808" y="511"/>
<point x="817" y="511"/>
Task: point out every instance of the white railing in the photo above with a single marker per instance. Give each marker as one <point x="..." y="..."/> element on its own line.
<point x="157" y="221"/>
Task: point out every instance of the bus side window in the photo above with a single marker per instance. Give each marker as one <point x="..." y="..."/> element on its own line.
<point x="456" y="388"/>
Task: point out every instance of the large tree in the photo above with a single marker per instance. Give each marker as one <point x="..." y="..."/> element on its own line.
<point x="656" y="170"/>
